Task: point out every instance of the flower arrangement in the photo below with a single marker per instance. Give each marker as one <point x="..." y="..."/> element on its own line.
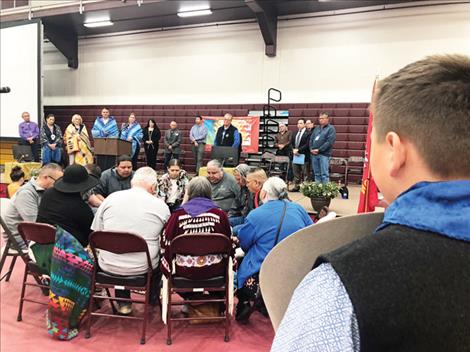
<point x="320" y="190"/>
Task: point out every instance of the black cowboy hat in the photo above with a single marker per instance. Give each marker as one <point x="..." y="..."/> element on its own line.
<point x="76" y="179"/>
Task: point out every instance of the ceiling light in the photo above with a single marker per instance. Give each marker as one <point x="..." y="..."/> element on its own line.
<point x="98" y="24"/>
<point x="195" y="13"/>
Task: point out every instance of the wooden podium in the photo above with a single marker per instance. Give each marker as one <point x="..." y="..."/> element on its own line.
<point x="108" y="149"/>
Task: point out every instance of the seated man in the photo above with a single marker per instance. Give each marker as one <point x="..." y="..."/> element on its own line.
<point x="224" y="186"/>
<point x="255" y="180"/>
<point x="63" y="204"/>
<point x="243" y="204"/>
<point x="24" y="204"/>
<point x="138" y="211"/>
<point x="113" y="180"/>
<point x="405" y="287"/>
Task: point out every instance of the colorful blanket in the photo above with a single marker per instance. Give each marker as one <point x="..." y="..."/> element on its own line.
<point x="71" y="275"/>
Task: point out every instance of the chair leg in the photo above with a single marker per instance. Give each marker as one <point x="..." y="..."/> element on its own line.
<point x="144" y="323"/>
<point x="227" y="316"/>
<point x="168" y="315"/>
<point x="4" y="256"/>
<point x="111" y="301"/>
<point x="88" y="313"/>
<point x="10" y="271"/>
<point x="23" y="289"/>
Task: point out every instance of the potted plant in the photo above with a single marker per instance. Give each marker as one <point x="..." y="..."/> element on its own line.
<point x="320" y="194"/>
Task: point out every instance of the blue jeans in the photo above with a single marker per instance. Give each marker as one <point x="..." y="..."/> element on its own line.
<point x="236" y="222"/>
<point x="320" y="165"/>
<point x="51" y="156"/>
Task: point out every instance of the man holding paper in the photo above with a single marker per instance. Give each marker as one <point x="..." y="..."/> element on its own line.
<point x="321" y="147"/>
<point x="300" y="143"/>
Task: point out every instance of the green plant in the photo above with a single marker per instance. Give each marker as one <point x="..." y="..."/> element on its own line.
<point x="320" y="190"/>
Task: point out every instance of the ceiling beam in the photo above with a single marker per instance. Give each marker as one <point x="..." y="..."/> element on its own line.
<point x="65" y="41"/>
<point x="267" y="19"/>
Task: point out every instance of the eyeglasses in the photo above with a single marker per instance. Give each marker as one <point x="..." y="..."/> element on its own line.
<point x="55" y="179"/>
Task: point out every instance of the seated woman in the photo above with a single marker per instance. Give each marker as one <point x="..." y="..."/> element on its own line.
<point x="198" y="215"/>
<point x="63" y="204"/>
<point x="172" y="185"/>
<point x="243" y="203"/>
<point x="264" y="227"/>
<point x="17" y="180"/>
<point x="51" y="141"/>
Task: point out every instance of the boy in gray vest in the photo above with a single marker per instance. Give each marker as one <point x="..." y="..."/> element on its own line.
<point x="407" y="286"/>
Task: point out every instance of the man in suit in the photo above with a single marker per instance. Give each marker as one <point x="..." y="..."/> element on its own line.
<point x="172" y="141"/>
<point x="300" y="144"/>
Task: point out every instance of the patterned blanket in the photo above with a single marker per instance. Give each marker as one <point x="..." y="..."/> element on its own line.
<point x="71" y="275"/>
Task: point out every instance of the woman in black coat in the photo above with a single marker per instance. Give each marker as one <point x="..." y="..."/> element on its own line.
<point x="151" y="138"/>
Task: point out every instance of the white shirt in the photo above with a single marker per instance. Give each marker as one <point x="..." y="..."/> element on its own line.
<point x="135" y="211"/>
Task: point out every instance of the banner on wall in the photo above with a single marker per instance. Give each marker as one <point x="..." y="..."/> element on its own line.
<point x="248" y="126"/>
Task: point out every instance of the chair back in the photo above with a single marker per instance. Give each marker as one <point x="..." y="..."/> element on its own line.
<point x="22" y="153"/>
<point x="37" y="232"/>
<point x="119" y="242"/>
<point x="202" y="244"/>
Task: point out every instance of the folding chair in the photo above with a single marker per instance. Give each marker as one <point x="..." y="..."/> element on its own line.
<point x="119" y="243"/>
<point x="12" y="248"/>
<point x="279" y="166"/>
<point x="213" y="278"/>
<point x="42" y="234"/>
<point x="355" y="165"/>
<point x="339" y="175"/>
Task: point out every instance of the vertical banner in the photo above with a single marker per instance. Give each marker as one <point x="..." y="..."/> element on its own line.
<point x="248" y="126"/>
<point x="368" y="198"/>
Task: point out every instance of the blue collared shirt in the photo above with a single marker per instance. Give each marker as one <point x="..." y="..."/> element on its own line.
<point x="320" y="316"/>
<point x="198" y="133"/>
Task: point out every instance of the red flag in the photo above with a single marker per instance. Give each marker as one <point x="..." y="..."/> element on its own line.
<point x="369" y="197"/>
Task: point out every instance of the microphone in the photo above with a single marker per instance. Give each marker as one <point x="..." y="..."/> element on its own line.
<point x="5" y="90"/>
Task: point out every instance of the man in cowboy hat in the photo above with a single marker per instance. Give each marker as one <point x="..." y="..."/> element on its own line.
<point x="63" y="204"/>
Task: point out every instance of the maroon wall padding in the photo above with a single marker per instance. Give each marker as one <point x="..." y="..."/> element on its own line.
<point x="349" y="119"/>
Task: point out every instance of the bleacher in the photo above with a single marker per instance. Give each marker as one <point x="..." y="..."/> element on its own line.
<point x="349" y="119"/>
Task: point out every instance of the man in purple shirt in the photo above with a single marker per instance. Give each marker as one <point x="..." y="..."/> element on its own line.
<point x="29" y="134"/>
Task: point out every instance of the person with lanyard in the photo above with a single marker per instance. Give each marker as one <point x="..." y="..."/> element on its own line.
<point x="172" y="140"/>
<point x="29" y="134"/>
<point x="197" y="136"/>
<point x="321" y="147"/>
<point x="151" y="137"/>
<point x="227" y="134"/>
<point x="51" y="141"/>
<point x="132" y="132"/>
<point x="105" y="126"/>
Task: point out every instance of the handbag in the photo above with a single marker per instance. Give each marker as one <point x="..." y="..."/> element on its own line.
<point x="280" y="225"/>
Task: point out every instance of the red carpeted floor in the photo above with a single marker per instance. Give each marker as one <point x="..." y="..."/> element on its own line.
<point x="116" y="335"/>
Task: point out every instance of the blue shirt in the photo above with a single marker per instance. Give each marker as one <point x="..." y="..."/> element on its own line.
<point x="258" y="233"/>
<point x="198" y="133"/>
<point x="323" y="138"/>
<point x="320" y="316"/>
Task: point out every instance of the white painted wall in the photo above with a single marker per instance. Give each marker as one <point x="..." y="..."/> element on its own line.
<point x="328" y="59"/>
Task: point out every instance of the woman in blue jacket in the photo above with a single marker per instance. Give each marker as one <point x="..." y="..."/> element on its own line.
<point x="264" y="227"/>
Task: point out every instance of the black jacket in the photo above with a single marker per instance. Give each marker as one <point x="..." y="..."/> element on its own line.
<point x="69" y="211"/>
<point x="155" y="137"/>
<point x="304" y="143"/>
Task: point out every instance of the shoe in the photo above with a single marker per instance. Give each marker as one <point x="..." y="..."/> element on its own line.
<point x="185" y="309"/>
<point x="124" y="309"/>
<point x="243" y="312"/>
